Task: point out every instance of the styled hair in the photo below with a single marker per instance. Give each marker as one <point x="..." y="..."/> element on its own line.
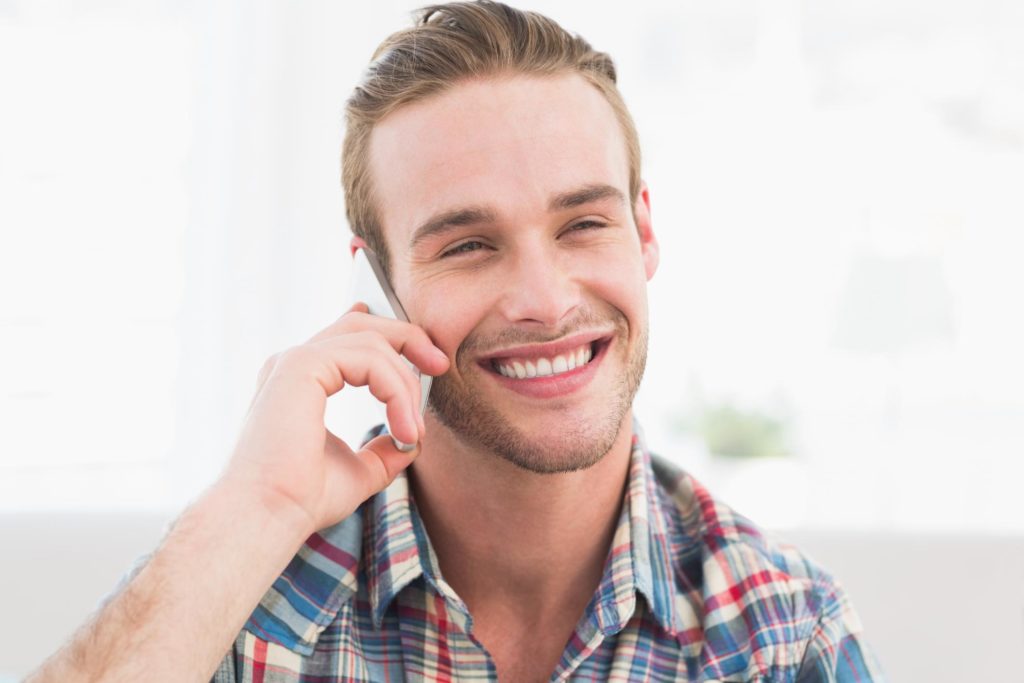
<point x="448" y="44"/>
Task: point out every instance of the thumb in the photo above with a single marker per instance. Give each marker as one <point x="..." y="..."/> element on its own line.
<point x="370" y="469"/>
<point x="383" y="461"/>
<point x="354" y="477"/>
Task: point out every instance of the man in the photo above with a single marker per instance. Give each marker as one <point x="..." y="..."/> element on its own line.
<point x="491" y="164"/>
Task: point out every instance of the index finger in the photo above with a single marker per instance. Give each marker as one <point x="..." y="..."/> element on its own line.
<point x="408" y="339"/>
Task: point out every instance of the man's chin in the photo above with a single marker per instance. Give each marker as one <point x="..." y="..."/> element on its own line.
<point x="569" y="437"/>
<point x="552" y="453"/>
<point x="542" y="444"/>
<point x="559" y="454"/>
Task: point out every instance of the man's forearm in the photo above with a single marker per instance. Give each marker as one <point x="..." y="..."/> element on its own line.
<point x="178" y="617"/>
<point x="287" y="477"/>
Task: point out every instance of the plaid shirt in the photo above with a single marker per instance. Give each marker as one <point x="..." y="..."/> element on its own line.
<point x="691" y="591"/>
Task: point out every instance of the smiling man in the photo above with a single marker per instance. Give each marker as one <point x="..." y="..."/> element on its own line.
<point x="518" y="243"/>
<point x="491" y="164"/>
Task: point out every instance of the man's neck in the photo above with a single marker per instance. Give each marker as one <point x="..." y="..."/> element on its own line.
<point x="507" y="537"/>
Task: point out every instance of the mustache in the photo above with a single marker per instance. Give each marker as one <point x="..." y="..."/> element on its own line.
<point x="482" y="344"/>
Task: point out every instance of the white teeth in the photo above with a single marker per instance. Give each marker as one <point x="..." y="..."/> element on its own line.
<point x="559" y="364"/>
<point x="520" y="370"/>
<point x="544" y="367"/>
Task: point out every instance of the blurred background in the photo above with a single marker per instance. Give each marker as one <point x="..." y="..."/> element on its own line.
<point x="836" y="185"/>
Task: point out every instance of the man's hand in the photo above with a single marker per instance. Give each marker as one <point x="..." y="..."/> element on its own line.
<point x="286" y="454"/>
<point x="288" y="477"/>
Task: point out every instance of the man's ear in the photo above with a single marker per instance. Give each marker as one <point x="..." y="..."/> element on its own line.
<point x="648" y="243"/>
<point x="356" y="243"/>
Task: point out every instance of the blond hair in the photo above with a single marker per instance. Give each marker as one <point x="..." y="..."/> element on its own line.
<point x="447" y="44"/>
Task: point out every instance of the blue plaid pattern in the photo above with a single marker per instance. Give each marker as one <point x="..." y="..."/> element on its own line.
<point x="691" y="591"/>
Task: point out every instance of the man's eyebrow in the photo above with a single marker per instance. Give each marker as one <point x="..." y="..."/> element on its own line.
<point x="584" y="195"/>
<point x="449" y="220"/>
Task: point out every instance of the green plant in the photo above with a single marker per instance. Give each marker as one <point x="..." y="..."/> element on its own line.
<point x="730" y="431"/>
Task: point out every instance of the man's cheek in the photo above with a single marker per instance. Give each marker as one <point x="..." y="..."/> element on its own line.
<point x="452" y="324"/>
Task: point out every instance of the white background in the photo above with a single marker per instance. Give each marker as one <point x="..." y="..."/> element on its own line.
<point x="836" y="187"/>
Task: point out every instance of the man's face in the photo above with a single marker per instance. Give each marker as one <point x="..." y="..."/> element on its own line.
<point x="505" y="205"/>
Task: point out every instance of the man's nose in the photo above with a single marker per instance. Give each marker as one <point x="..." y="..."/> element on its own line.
<point x="541" y="287"/>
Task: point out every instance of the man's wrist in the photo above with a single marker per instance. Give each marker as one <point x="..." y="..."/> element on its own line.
<point x="284" y="518"/>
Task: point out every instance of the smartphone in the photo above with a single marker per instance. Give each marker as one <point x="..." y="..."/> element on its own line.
<point x="370" y="286"/>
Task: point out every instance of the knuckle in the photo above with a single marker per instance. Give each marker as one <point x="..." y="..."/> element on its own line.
<point x="352" y="320"/>
<point x="421" y="335"/>
<point x="375" y="340"/>
<point x="380" y="474"/>
<point x="268" y="365"/>
<point x="383" y="376"/>
<point x="267" y="368"/>
<point x="295" y="355"/>
<point x="419" y="339"/>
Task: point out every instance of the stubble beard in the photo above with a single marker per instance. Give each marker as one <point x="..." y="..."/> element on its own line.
<point x="477" y="424"/>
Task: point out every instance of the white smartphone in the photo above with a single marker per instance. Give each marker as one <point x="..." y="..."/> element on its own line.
<point x="370" y="286"/>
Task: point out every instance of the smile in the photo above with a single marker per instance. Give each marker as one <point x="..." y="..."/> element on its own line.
<point x="550" y="370"/>
<point x="544" y="361"/>
<point x="541" y="366"/>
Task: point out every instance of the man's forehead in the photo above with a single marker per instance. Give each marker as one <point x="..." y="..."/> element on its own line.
<point x="498" y="144"/>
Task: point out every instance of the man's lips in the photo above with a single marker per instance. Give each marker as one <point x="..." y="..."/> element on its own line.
<point x="550" y="359"/>
<point x="560" y="383"/>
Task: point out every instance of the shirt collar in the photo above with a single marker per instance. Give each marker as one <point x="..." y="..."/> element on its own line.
<point x="395" y="550"/>
<point x="642" y="556"/>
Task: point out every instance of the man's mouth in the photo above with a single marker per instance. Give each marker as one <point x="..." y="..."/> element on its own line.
<point x="532" y="363"/>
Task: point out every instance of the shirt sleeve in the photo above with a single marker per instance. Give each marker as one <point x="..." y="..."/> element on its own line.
<point x="225" y="673"/>
<point x="837" y="651"/>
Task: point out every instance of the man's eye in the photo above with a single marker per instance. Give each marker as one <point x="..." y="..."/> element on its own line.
<point x="463" y="248"/>
<point x="587" y="225"/>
